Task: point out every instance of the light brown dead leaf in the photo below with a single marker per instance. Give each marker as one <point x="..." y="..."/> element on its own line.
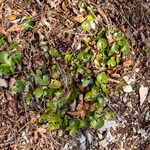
<point x="41" y="130"/>
<point x="3" y="30"/>
<point x="15" y="27"/>
<point x="64" y="7"/>
<point x="79" y="107"/>
<point x="86" y="106"/>
<point x="74" y="113"/>
<point x="74" y="2"/>
<point x="12" y="17"/>
<point x="67" y="95"/>
<point x="128" y="63"/>
<point x="83" y="114"/>
<point x="79" y="18"/>
<point x="110" y="39"/>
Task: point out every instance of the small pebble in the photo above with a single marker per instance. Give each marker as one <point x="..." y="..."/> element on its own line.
<point x="127" y="88"/>
<point x="3" y="83"/>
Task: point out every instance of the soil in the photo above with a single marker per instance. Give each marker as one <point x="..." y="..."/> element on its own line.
<point x="130" y="130"/>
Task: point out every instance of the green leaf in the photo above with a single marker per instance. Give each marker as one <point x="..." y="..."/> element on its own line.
<point x="73" y="127"/>
<point x="89" y="96"/>
<point x="125" y="49"/>
<point x="86" y="25"/>
<point x="81" y="55"/>
<point x="56" y="75"/>
<point x="95" y="91"/>
<point x="38" y="92"/>
<point x="45" y="48"/>
<point x="19" y="86"/>
<point x="111" y="62"/>
<point x="114" y="49"/>
<point x="59" y="93"/>
<point x="54" y="67"/>
<point x="80" y="70"/>
<point x="86" y="83"/>
<point x="102" y="43"/>
<point x="101" y="102"/>
<point x="97" y="112"/>
<point x="45" y="79"/>
<point x="55" y="84"/>
<point x="68" y="57"/>
<point x="91" y="17"/>
<point x="28" y="98"/>
<point x="84" y="123"/>
<point x="101" y="33"/>
<point x="12" y="46"/>
<point x="109" y="115"/>
<point x="102" y="78"/>
<point x="54" y="122"/>
<point x="104" y="88"/>
<point x="16" y="57"/>
<point x="54" y="52"/>
<point x="39" y="73"/>
<point x="28" y="23"/>
<point x="96" y="124"/>
<point x="74" y="94"/>
<point x="2" y="41"/>
<point x="97" y="61"/>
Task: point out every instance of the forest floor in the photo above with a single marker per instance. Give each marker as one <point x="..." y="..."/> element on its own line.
<point x="130" y="129"/>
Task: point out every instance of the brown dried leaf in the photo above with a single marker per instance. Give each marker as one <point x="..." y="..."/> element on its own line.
<point x="110" y="39"/>
<point x="79" y="107"/>
<point x="86" y="106"/>
<point x="15" y="27"/>
<point x="12" y="17"/>
<point x="83" y="114"/>
<point x="74" y="113"/>
<point x="128" y="63"/>
<point x="79" y="18"/>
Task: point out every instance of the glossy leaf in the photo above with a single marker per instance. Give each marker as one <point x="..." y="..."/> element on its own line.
<point x="101" y="102"/>
<point x="109" y="115"/>
<point x="96" y="124"/>
<point x="111" y="63"/>
<point x="102" y="43"/>
<point x="125" y="49"/>
<point x="19" y="86"/>
<point x="102" y="78"/>
<point x="68" y="57"/>
<point x="38" y="92"/>
<point x="28" y="23"/>
<point x="86" y="25"/>
<point x="55" y="84"/>
<point x="54" y="52"/>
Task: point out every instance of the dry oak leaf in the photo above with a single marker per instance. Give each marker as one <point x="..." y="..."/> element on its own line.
<point x="12" y="17"/>
<point x="79" y="18"/>
<point x="128" y="63"/>
<point x="15" y="27"/>
<point x="79" y="107"/>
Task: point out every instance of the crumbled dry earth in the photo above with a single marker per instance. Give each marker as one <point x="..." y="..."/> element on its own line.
<point x="130" y="130"/>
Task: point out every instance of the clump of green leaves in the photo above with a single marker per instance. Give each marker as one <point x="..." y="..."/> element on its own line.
<point x="9" y="60"/>
<point x="40" y="78"/>
<point x="89" y="78"/>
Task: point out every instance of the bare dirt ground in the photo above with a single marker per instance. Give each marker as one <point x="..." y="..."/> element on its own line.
<point x="130" y="130"/>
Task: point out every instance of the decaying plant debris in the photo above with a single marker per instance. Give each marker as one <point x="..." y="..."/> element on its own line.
<point x="48" y="44"/>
